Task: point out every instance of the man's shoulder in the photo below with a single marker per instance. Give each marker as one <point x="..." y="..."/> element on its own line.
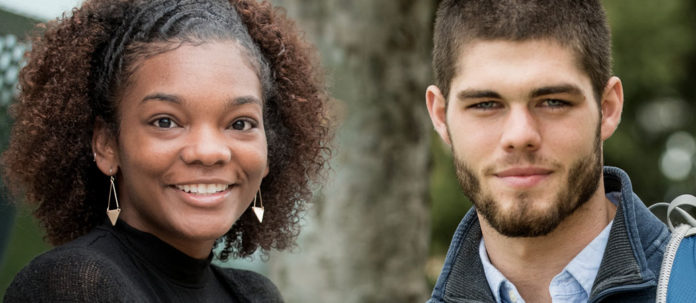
<point x="249" y="284"/>
<point x="462" y="273"/>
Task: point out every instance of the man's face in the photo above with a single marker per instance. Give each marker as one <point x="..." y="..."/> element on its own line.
<point x="525" y="131"/>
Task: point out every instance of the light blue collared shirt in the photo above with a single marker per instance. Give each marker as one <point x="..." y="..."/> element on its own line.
<point x="573" y="284"/>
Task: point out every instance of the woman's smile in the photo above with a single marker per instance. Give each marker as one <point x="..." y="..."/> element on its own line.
<point x="203" y="195"/>
<point x="203" y="189"/>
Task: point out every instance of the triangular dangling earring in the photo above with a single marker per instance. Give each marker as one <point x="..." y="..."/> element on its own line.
<point x="112" y="213"/>
<point x="258" y="210"/>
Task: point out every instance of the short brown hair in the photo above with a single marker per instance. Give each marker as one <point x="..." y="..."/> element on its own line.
<point x="72" y="77"/>
<point x="580" y="25"/>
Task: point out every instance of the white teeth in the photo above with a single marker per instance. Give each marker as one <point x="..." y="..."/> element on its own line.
<point x="204" y="189"/>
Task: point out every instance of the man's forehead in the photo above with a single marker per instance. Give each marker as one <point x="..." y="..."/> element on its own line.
<point x="531" y="64"/>
<point x="487" y="46"/>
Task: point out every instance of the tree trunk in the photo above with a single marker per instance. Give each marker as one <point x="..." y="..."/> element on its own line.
<point x="366" y="238"/>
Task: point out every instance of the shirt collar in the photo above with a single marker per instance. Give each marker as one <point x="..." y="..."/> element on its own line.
<point x="496" y="280"/>
<point x="582" y="268"/>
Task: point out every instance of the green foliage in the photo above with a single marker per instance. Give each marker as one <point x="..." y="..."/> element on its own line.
<point x="20" y="237"/>
<point x="654" y="45"/>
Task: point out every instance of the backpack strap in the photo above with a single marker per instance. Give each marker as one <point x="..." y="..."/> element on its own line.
<point x="678" y="265"/>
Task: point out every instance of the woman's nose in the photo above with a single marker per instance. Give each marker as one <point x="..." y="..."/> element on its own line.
<point x="207" y="146"/>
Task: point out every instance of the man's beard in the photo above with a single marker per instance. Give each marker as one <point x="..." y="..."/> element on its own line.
<point x="583" y="179"/>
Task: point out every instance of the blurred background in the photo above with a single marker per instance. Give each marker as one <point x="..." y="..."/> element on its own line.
<point x="380" y="226"/>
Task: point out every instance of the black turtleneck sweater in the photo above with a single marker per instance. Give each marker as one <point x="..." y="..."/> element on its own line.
<point x="122" y="264"/>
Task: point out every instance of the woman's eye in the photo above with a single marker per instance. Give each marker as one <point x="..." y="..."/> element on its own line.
<point x="242" y="125"/>
<point x="164" y="123"/>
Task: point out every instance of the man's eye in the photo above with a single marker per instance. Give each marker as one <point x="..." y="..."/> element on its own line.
<point x="164" y="123"/>
<point x="242" y="125"/>
<point x="485" y="105"/>
<point x="555" y="103"/>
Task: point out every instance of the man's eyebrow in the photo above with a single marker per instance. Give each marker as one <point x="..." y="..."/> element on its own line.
<point x="477" y="94"/>
<point x="556" y="89"/>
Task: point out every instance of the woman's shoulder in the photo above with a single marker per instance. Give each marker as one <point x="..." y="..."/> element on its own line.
<point x="250" y="285"/>
<point x="74" y="272"/>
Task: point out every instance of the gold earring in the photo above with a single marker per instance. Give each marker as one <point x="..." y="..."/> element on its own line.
<point x="258" y="210"/>
<point x="112" y="213"/>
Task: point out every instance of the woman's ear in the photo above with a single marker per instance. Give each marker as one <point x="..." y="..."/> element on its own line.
<point x="105" y="148"/>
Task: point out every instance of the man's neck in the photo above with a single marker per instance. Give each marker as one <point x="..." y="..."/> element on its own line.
<point x="531" y="263"/>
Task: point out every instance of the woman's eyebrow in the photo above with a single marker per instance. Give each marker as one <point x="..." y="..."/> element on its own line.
<point x="162" y="97"/>
<point x="178" y="100"/>
<point x="245" y="100"/>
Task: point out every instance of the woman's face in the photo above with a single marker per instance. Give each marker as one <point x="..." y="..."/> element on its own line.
<point x="192" y="149"/>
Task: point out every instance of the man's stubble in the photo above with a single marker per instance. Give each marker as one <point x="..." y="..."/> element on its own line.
<point x="582" y="181"/>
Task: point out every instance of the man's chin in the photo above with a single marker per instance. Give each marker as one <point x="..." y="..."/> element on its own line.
<point x="525" y="229"/>
<point x="522" y="221"/>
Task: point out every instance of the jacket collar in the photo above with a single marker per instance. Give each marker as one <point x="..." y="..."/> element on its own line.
<point x="466" y="281"/>
<point x="624" y="263"/>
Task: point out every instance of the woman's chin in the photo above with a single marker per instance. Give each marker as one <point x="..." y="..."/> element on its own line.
<point x="205" y="231"/>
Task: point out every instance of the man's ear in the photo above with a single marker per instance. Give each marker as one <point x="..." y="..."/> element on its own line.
<point x="437" y="109"/>
<point x="611" y="107"/>
<point x="105" y="148"/>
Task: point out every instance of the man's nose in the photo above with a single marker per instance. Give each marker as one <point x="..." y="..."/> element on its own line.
<point x="521" y="131"/>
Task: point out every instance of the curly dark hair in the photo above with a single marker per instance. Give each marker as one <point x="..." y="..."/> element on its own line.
<point x="78" y="64"/>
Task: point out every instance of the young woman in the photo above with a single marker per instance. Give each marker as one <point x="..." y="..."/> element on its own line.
<point x="149" y="131"/>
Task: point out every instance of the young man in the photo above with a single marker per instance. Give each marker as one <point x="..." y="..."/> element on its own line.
<point x="525" y="98"/>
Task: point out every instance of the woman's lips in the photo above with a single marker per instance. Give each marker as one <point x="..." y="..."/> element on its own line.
<point x="202" y="189"/>
<point x="203" y="195"/>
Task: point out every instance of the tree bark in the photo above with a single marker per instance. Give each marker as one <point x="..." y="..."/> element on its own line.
<point x="366" y="237"/>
